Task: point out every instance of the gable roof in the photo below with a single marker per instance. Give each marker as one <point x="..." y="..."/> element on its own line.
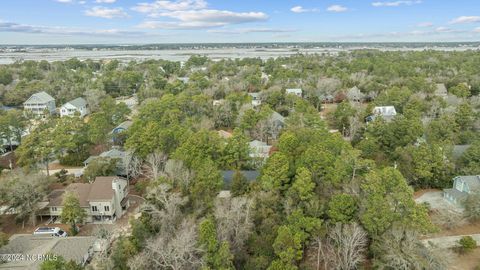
<point x="124" y="125"/>
<point x="113" y="153"/>
<point x="100" y="190"/>
<point x="33" y="245"/>
<point x="78" y="102"/>
<point x="40" y="97"/>
<point x="277" y="117"/>
<point x="473" y="181"/>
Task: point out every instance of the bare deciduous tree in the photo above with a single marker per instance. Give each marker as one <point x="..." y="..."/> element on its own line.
<point x="171" y="251"/>
<point x="164" y="207"/>
<point x="155" y="164"/>
<point x="133" y="164"/>
<point x="179" y="173"/>
<point x="400" y="249"/>
<point x="343" y="248"/>
<point x="234" y="222"/>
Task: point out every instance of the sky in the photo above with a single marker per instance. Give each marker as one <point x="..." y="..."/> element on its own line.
<point x="218" y="21"/>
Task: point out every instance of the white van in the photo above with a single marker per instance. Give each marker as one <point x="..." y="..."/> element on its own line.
<point x="50" y="231"/>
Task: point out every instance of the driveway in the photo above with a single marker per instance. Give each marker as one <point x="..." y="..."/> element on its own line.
<point x="447" y="241"/>
<point x="437" y="202"/>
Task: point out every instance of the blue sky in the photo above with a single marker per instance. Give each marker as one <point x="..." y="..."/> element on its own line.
<point x="180" y="21"/>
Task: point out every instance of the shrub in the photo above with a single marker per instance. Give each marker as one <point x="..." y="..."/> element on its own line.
<point x="141" y="186"/>
<point x="467" y="244"/>
<point x="61" y="175"/>
<point x="3" y="239"/>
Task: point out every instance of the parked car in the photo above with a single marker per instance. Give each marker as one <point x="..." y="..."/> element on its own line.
<point x="50" y="231"/>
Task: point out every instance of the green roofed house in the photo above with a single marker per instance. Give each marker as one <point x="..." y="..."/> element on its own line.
<point x="462" y="187"/>
<point x="40" y="103"/>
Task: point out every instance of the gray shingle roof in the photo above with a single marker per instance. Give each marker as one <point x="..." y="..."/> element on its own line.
<point x="473" y="181"/>
<point x="70" y="248"/>
<point x="40" y="97"/>
<point x="277" y="117"/>
<point x="78" y="102"/>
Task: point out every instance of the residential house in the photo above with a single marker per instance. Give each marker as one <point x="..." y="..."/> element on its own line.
<point x="73" y="248"/>
<point x="111" y="154"/>
<point x="40" y="103"/>
<point x="256" y="99"/>
<point x="276" y="123"/>
<point x="124" y="126"/>
<point x="117" y="133"/>
<point x="386" y="112"/>
<point x="354" y="94"/>
<point x="294" y="91"/>
<point x="259" y="150"/>
<point x="76" y="106"/>
<point x="462" y="187"/>
<point x="104" y="200"/>
<point x="250" y="176"/>
<point x="441" y="90"/>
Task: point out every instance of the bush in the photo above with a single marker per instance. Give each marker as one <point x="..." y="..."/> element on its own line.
<point x="141" y="186"/>
<point x="3" y="239"/>
<point x="467" y="244"/>
<point x="61" y="175"/>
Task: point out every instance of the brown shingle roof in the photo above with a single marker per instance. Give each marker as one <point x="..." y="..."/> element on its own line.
<point x="101" y="189"/>
<point x="81" y="190"/>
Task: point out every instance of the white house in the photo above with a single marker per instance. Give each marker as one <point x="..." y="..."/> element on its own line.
<point x="40" y="103"/>
<point x="103" y="200"/>
<point x="386" y="112"/>
<point x="462" y="187"/>
<point x="295" y="91"/>
<point x="256" y="100"/>
<point x="78" y="105"/>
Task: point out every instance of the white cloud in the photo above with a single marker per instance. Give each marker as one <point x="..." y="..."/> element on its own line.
<point x="64" y="31"/>
<point x="105" y="1"/>
<point x="107" y="13"/>
<point x="205" y="18"/>
<point x="443" y="29"/>
<point x="425" y="24"/>
<point x="191" y="14"/>
<point x="82" y="2"/>
<point x="300" y="9"/>
<point x="64" y="1"/>
<point x="396" y="3"/>
<point x="250" y="30"/>
<point x="465" y="19"/>
<point x="337" y="8"/>
<point x="162" y="6"/>
<point x="476" y="30"/>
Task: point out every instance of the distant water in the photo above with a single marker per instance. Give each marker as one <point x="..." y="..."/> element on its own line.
<point x="50" y="55"/>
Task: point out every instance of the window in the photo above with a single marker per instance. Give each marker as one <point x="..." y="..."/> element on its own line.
<point x="107" y="208"/>
<point x="54" y="209"/>
<point x="94" y="208"/>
